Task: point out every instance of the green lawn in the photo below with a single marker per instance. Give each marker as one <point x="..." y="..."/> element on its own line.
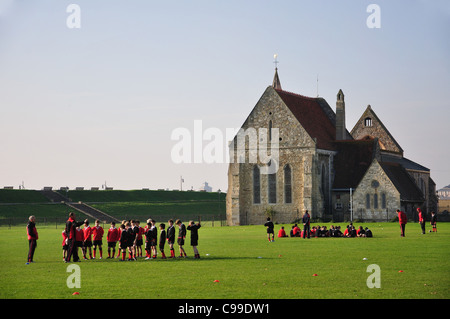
<point x="245" y="264"/>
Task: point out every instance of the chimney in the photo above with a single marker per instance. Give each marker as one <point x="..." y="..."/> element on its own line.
<point x="340" y="117"/>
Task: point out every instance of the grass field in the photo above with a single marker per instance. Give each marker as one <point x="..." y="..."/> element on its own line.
<point x="245" y="264"/>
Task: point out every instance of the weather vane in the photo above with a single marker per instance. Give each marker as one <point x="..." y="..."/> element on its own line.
<point x="275" y="60"/>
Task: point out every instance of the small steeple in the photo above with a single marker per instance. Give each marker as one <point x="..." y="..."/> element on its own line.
<point x="276" y="84"/>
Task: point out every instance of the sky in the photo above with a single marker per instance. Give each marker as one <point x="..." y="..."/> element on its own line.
<point x="97" y="103"/>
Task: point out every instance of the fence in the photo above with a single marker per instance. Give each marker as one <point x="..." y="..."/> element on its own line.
<point x="59" y="222"/>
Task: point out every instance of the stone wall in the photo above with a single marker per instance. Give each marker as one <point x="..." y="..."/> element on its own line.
<point x="375" y="181"/>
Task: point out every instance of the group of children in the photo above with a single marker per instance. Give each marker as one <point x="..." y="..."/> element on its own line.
<point x="322" y="231"/>
<point x="130" y="238"/>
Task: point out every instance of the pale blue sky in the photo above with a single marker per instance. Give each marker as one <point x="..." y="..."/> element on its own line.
<point x="79" y="107"/>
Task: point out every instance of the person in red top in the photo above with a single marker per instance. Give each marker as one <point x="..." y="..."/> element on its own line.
<point x="32" y="238"/>
<point x="87" y="240"/>
<point x="282" y="232"/>
<point x="112" y="237"/>
<point x="64" y="244"/>
<point x="421" y="219"/>
<point x="139" y="240"/>
<point x="97" y="233"/>
<point x="70" y="230"/>
<point x="79" y="238"/>
<point x="296" y="231"/>
<point x="402" y="220"/>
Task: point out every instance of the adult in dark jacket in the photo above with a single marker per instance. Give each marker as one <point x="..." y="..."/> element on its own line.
<point x="70" y="231"/>
<point x="306" y="225"/>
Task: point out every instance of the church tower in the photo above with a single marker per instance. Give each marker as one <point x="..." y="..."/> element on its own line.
<point x="340" y="117"/>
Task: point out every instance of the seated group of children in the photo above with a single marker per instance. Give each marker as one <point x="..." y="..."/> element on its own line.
<point x="322" y="231"/>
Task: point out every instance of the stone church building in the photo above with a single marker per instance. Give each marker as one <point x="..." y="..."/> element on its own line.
<point x="321" y="167"/>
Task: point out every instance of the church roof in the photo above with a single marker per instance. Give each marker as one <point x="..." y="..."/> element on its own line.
<point x="352" y="161"/>
<point x="403" y="182"/>
<point x="403" y="161"/>
<point x="312" y="115"/>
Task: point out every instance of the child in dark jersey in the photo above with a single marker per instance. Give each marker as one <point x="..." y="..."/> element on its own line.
<point x="193" y="228"/>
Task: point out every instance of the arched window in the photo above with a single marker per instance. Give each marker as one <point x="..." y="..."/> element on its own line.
<point x="368" y="201"/>
<point x="272" y="187"/>
<point x="256" y="185"/>
<point x="287" y="184"/>
<point x="383" y="200"/>
<point x="375" y="201"/>
<point x="368" y="121"/>
<point x="270" y="130"/>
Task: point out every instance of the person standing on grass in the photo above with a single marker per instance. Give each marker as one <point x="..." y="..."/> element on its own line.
<point x="32" y="238"/>
<point x="270" y="231"/>
<point x="112" y="237"/>
<point x="193" y="228"/>
<point x="181" y="237"/>
<point x="171" y="238"/>
<point x="154" y="239"/>
<point x="70" y="230"/>
<point x="97" y="233"/>
<point x="125" y="241"/>
<point x="402" y="220"/>
<point x="87" y="244"/>
<point x="162" y="239"/>
<point x="306" y="224"/>
<point x="421" y="220"/>
<point x="433" y="222"/>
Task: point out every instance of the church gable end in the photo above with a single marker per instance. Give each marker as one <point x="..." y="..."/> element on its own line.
<point x="370" y="126"/>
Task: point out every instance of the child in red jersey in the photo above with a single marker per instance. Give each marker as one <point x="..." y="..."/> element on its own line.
<point x="139" y="240"/>
<point x="282" y="233"/>
<point x="87" y="244"/>
<point x="79" y="237"/>
<point x="64" y="245"/>
<point x="97" y="233"/>
<point x="112" y="237"/>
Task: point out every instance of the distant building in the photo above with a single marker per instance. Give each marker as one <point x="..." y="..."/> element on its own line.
<point x="444" y="193"/>
<point x="205" y="188"/>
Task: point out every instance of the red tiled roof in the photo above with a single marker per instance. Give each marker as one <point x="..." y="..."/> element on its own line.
<point x="312" y="117"/>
